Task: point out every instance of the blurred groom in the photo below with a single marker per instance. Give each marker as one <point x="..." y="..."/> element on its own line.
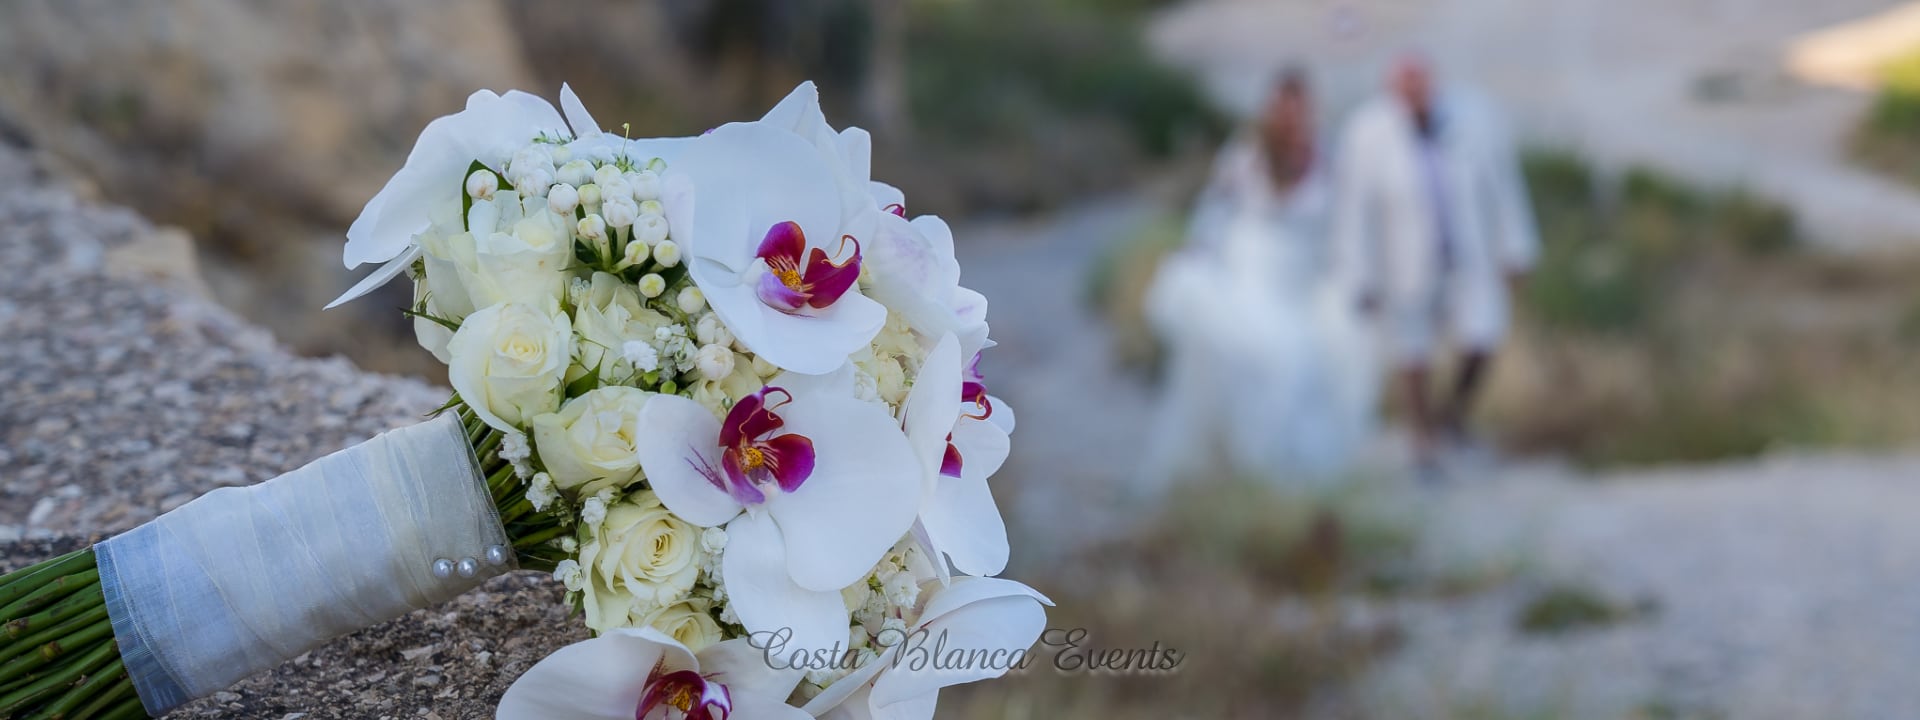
<point x="1432" y="225"/>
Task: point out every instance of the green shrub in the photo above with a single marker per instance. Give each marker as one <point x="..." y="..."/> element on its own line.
<point x="1613" y="251"/>
<point x="1569" y="607"/>
<point x="1888" y="138"/>
<point x="992" y="70"/>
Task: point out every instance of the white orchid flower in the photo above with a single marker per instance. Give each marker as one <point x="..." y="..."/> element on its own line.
<point x="489" y="130"/>
<point x="914" y="270"/>
<point x="767" y="247"/>
<point x="630" y="674"/>
<point x="773" y="228"/>
<point x="847" y="154"/>
<point x="988" y="621"/>
<point x="949" y="421"/>
<point x="915" y="274"/>
<point x="813" y="488"/>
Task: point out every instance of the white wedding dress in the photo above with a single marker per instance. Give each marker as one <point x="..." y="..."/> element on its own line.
<point x="1271" y="371"/>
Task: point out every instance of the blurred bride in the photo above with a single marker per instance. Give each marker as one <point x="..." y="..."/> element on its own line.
<point x="1270" y="370"/>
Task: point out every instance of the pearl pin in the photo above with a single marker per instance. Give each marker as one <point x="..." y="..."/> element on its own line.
<point x="468" y="567"/>
<point x="497" y="555"/>
<point x="442" y="568"/>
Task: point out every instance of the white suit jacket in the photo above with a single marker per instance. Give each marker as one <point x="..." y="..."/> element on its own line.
<point x="1384" y="222"/>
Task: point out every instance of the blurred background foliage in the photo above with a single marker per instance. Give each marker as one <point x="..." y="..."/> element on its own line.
<point x="1888" y="137"/>
<point x="226" y="118"/>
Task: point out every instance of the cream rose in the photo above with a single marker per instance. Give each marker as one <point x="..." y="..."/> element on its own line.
<point x="432" y="335"/>
<point x="608" y="317"/>
<point x="508" y="361"/>
<point x="641" y="557"/>
<point x="591" y="438"/>
<point x="517" y="251"/>
<point x="688" y="621"/>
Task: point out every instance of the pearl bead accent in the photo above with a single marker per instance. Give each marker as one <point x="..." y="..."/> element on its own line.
<point x="442" y="568"/>
<point x="497" y="555"/>
<point x="468" y="567"/>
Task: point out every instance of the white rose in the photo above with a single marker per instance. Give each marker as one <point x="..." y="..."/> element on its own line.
<point x="641" y="557"/>
<point x="715" y="361"/>
<point x="688" y="622"/>
<point x="610" y="316"/>
<point x="432" y="335"/>
<point x="508" y="361"/>
<point x="528" y="265"/>
<point x="444" y="253"/>
<point x="592" y="437"/>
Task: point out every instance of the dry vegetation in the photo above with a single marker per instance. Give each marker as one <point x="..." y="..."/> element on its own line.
<point x="1265" y="595"/>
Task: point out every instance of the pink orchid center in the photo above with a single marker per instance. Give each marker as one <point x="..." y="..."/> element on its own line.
<point x="800" y="278"/>
<point x="972" y="391"/>
<point x="696" y="697"/>
<point x="754" y="455"/>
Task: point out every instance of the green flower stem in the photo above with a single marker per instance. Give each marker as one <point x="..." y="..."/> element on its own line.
<point x="537" y="537"/>
<point x="19" y="583"/>
<point x="109" y="681"/>
<point x="120" y="690"/>
<point x="487" y="446"/>
<point x="501" y="483"/>
<point x="51" y="685"/>
<point x="96" y="615"/>
<point x="87" y="596"/>
<point x="516" y="510"/>
<point x="31" y="667"/>
<point x="59" y="588"/>
<point x="94" y="682"/>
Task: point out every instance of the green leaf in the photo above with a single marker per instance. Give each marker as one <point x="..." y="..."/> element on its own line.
<point x="585" y="383"/>
<point x="451" y="404"/>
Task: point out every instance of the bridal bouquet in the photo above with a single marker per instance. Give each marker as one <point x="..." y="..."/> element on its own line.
<point x="721" y="387"/>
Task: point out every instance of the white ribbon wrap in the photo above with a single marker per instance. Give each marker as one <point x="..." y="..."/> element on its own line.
<point x="243" y="579"/>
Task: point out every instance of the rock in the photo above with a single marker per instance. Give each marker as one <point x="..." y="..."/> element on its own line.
<point x="416" y="653"/>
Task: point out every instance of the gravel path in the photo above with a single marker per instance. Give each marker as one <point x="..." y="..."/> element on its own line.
<point x="1777" y="588"/>
<point x="1694" y="87"/>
